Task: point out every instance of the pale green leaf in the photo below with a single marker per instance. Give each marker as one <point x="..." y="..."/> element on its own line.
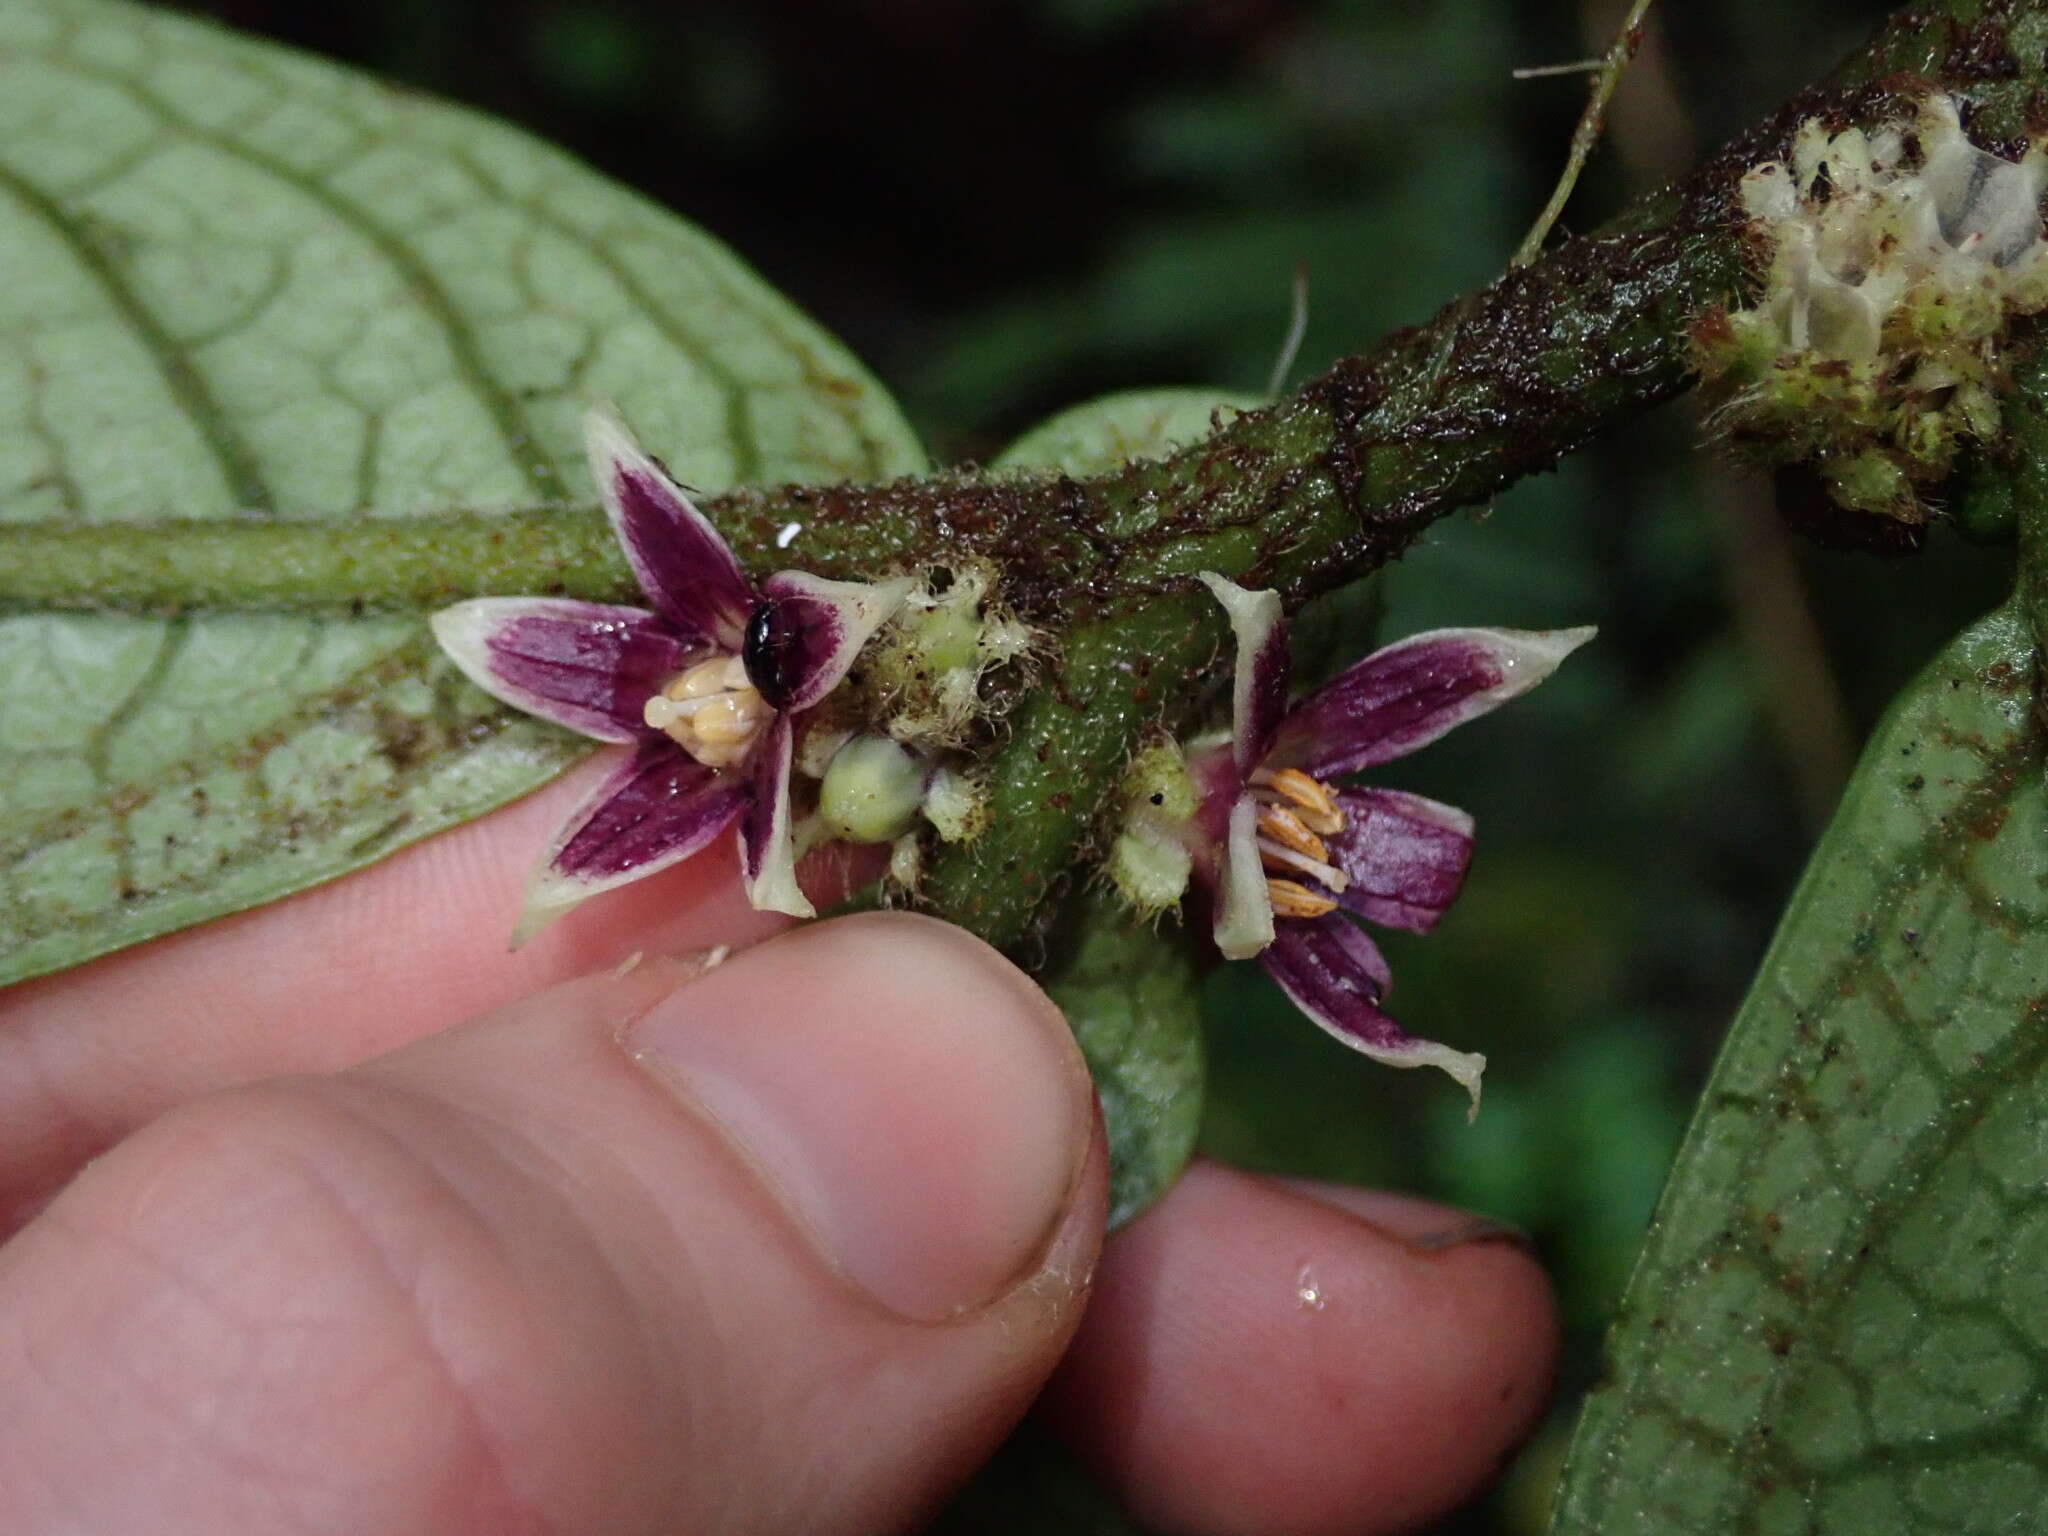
<point x="1840" y="1321"/>
<point x="239" y="280"/>
<point x="1100" y="434"/>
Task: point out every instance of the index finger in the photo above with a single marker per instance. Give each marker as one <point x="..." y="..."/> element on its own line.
<point x="322" y="980"/>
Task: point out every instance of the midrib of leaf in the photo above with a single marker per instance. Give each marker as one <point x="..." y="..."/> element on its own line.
<point x="1800" y="1258"/>
<point x="761" y="374"/>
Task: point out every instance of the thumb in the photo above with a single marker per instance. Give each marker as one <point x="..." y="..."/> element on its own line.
<point x="785" y="1245"/>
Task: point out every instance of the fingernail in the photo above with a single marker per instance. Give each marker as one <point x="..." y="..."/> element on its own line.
<point x="910" y="1098"/>
<point x="1422" y="1225"/>
<point x="1473" y="1229"/>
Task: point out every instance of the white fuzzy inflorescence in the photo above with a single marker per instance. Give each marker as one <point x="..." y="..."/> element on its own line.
<point x="1896" y="259"/>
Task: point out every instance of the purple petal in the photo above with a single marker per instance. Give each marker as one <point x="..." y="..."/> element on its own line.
<point x="767" y="851"/>
<point x="1244" y="911"/>
<point x="811" y="632"/>
<point x="1404" y="856"/>
<point x="656" y="808"/>
<point x="589" y="666"/>
<point x="679" y="559"/>
<point x="1259" y="689"/>
<point x="1407" y="695"/>
<point x="1335" y="975"/>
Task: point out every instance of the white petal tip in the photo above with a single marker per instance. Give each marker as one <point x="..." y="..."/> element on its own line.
<point x="1245" y="605"/>
<point x="1242" y="943"/>
<point x="1531" y="655"/>
<point x="1463" y="1067"/>
<point x="459" y="630"/>
<point x="1467" y="1070"/>
<point x="608" y="443"/>
<point x="544" y="903"/>
<point x="780" y="895"/>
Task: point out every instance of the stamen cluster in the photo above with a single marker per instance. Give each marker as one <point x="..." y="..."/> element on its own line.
<point x="713" y="711"/>
<point x="1293" y="809"/>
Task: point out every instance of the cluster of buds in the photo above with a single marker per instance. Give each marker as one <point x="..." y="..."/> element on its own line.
<point x="922" y="677"/>
<point x="1893" y="263"/>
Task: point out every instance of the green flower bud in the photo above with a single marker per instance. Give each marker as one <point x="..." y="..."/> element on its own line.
<point x="871" y="791"/>
<point x="949" y="635"/>
<point x="1149" y="867"/>
<point x="956" y="806"/>
<point x="1149" y="862"/>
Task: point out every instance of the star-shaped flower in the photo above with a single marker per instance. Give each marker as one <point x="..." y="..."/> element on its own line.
<point x="706" y="689"/>
<point x="1290" y="854"/>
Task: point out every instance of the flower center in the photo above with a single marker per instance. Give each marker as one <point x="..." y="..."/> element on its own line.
<point x="712" y="711"/>
<point x="1293" y="809"/>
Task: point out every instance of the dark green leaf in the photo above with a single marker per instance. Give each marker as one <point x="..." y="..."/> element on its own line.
<point x="241" y="281"/>
<point x="1840" y="1322"/>
<point x="1130" y="995"/>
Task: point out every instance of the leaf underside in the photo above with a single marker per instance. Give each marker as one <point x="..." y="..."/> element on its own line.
<point x="242" y="282"/>
<point x="1840" y="1321"/>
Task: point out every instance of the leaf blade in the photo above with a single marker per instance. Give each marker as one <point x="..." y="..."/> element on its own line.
<point x="242" y="280"/>
<point x="1834" y="1324"/>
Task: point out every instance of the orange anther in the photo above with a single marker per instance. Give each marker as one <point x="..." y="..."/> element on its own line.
<point x="1313" y="801"/>
<point x="1286" y="829"/>
<point x="1291" y="898"/>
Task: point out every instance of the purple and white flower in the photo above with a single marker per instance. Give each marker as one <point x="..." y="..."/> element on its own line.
<point x="705" y="688"/>
<point x="1290" y="853"/>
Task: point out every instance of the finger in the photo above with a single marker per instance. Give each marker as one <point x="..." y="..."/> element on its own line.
<point x="790" y="1260"/>
<point x="1263" y="1357"/>
<point x="330" y="977"/>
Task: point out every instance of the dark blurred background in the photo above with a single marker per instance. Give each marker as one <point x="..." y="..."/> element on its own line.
<point x="1006" y="208"/>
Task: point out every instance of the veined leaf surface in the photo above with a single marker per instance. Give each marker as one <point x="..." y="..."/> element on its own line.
<point x="1840" y="1322"/>
<point x="235" y="281"/>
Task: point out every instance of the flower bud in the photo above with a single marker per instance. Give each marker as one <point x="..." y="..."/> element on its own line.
<point x="871" y="791"/>
<point x="1894" y="262"/>
<point x="949" y="635"/>
<point x="1149" y="862"/>
<point x="956" y="806"/>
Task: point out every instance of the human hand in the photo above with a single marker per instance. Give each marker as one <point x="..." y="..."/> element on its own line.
<point x="785" y="1245"/>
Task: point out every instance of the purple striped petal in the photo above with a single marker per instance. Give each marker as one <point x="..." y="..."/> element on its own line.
<point x="1335" y="975"/>
<point x="1244" y="912"/>
<point x="657" y="807"/>
<point x="1407" y="695"/>
<point x="589" y="666"/>
<point x="1259" y="691"/>
<point x="1404" y="856"/>
<point x="679" y="559"/>
<point x="767" y="850"/>
<point x="810" y="632"/>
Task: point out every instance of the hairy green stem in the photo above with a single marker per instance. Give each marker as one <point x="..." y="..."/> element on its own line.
<point x="1304" y="496"/>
